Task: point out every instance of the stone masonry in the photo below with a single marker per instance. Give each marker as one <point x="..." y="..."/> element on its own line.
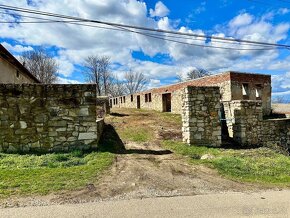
<point x="46" y="118"/>
<point x="200" y="116"/>
<point x="251" y="129"/>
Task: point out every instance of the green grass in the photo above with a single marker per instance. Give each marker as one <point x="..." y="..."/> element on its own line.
<point x="43" y="174"/>
<point x="259" y="165"/>
<point x="170" y="118"/>
<point x="136" y="134"/>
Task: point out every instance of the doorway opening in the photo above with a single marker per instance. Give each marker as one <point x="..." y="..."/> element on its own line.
<point x="166" y="102"/>
<point x="138" y="102"/>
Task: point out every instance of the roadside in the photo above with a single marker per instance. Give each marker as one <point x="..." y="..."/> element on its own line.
<point x="262" y="204"/>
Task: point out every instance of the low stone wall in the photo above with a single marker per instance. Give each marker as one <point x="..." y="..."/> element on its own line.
<point x="250" y="129"/>
<point x="46" y="118"/>
<point x="200" y="116"/>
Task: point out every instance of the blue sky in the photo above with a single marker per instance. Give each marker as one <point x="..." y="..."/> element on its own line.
<point x="160" y="61"/>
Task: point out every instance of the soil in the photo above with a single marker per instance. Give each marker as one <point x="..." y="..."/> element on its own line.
<point x="144" y="170"/>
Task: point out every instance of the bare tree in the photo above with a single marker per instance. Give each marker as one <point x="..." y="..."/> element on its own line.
<point x="193" y="74"/>
<point x="97" y="71"/>
<point x="197" y="73"/>
<point x="135" y="82"/>
<point x="116" y="87"/>
<point x="41" y="65"/>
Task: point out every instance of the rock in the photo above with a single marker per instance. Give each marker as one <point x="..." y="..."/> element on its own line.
<point x="207" y="157"/>
<point x="83" y="112"/>
<point x="87" y="135"/>
<point x="23" y="125"/>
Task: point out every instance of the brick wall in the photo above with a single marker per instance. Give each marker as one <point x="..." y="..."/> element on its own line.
<point x="48" y="118"/>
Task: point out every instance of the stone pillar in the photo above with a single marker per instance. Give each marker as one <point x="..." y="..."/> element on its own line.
<point x="247" y="126"/>
<point x="200" y="116"/>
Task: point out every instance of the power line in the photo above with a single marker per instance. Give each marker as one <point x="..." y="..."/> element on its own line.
<point x="156" y="36"/>
<point x="134" y="27"/>
<point x="138" y="27"/>
<point x="120" y="29"/>
<point x="198" y="45"/>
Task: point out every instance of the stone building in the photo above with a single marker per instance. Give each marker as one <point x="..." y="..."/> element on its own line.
<point x="228" y="107"/>
<point x="12" y="71"/>
<point x="233" y="86"/>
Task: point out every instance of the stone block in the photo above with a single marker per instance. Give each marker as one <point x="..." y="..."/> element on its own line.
<point x="87" y="136"/>
<point x="83" y="112"/>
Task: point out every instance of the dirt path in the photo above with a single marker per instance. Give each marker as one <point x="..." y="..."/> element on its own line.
<point x="160" y="174"/>
<point x="143" y="170"/>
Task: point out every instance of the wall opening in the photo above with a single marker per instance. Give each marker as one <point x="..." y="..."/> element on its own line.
<point x="166" y="102"/>
<point x="245" y="90"/>
<point x="224" y="126"/>
<point x="132" y="98"/>
<point x="138" y="102"/>
<point x="259" y="91"/>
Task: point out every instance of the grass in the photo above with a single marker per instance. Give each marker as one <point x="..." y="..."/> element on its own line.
<point x="136" y="134"/>
<point x="260" y="165"/>
<point x="43" y="174"/>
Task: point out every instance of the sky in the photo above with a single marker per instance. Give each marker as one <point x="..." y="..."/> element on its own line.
<point x="161" y="61"/>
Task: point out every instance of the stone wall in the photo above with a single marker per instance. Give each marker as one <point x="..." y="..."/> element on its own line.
<point x="250" y="129"/>
<point x="200" y="116"/>
<point x="46" y="118"/>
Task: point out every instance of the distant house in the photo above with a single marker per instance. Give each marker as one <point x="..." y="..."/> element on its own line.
<point x="12" y="71"/>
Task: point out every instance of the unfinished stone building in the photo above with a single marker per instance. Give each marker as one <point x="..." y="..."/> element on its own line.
<point x="238" y="113"/>
<point x="233" y="86"/>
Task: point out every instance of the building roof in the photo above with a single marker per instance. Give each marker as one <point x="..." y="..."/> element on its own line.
<point x="212" y="80"/>
<point x="5" y="54"/>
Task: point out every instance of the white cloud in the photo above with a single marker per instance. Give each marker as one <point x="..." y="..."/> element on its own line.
<point x="67" y="81"/>
<point x="65" y="67"/>
<point x="160" y="10"/>
<point x="241" y="20"/>
<point x="154" y="83"/>
<point x="16" y="48"/>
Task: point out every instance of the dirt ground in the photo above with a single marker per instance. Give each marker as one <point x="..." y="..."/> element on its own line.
<point x="144" y="169"/>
